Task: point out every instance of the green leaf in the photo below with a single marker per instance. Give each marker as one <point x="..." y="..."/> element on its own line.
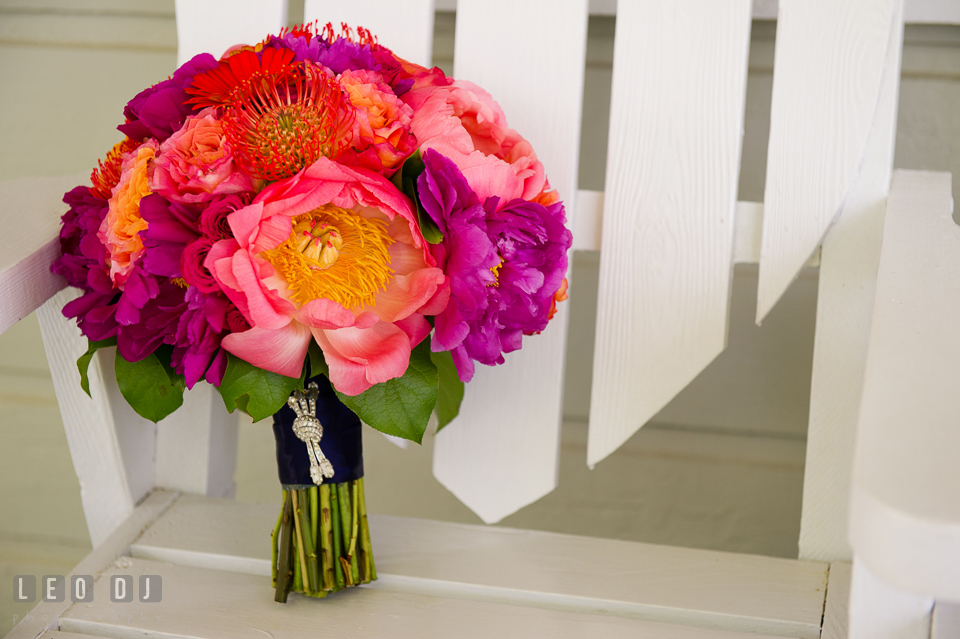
<point x="406" y="181"/>
<point x="256" y="392"/>
<point x="150" y="386"/>
<point x="83" y="362"/>
<point x="451" y="388"/>
<point x="318" y="364"/>
<point x="401" y="406"/>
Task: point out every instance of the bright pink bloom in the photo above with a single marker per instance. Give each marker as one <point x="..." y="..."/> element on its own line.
<point x="196" y="163"/>
<point x="381" y="130"/>
<point x="333" y="253"/>
<point x="462" y="122"/>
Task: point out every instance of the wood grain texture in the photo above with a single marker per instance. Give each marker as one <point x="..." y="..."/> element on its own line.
<point x="904" y="510"/>
<point x="848" y="270"/>
<point x="641" y="581"/>
<point x="406" y="28"/>
<point x="114" y="465"/>
<point x="676" y="121"/>
<point x="200" y="603"/>
<point x="30" y="210"/>
<point x="880" y="611"/>
<point x="45" y="616"/>
<point x="835" y="617"/>
<point x="237" y="22"/>
<point x="501" y="453"/>
<point x="828" y="70"/>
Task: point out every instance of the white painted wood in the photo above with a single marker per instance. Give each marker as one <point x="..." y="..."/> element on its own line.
<point x="676" y="121"/>
<point x="213" y="26"/>
<point x="197" y="445"/>
<point x="917" y="11"/>
<point x="848" y="270"/>
<point x="835" y="617"/>
<point x="115" y="467"/>
<point x="502" y="452"/>
<point x="406" y="28"/>
<point x="641" y="581"/>
<point x="946" y="621"/>
<point x="45" y="616"/>
<point x="30" y="210"/>
<point x="905" y="511"/>
<point x="205" y="603"/>
<point x="828" y="70"/>
<point x="880" y="611"/>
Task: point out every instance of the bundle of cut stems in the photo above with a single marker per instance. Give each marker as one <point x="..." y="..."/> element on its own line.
<point x="321" y="543"/>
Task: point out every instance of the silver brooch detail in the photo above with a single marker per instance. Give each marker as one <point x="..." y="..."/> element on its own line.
<point x="309" y="430"/>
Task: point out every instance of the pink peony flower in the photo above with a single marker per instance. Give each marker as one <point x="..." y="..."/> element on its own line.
<point x="333" y="252"/>
<point x="381" y="130"/>
<point x="196" y="163"/>
<point x="462" y="122"/>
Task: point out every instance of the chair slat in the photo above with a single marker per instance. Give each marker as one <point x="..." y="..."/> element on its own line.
<point x="213" y="26"/>
<point x="502" y="451"/>
<point x="676" y="121"/>
<point x="845" y="297"/>
<point x="828" y="69"/>
<point x="406" y="28"/>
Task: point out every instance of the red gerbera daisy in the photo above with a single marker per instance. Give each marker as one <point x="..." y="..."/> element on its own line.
<point x="218" y="86"/>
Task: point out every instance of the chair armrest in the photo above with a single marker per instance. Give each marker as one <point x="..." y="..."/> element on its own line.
<point x="905" y="494"/>
<point x="30" y="210"/>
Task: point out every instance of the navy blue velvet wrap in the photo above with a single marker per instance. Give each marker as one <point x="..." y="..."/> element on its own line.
<point x="341" y="443"/>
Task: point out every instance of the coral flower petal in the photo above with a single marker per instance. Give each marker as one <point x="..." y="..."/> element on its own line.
<point x="281" y="350"/>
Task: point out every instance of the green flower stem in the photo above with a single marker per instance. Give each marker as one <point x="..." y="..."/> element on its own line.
<point x="365" y="545"/>
<point x="326" y="538"/>
<point x="275" y="543"/>
<point x="321" y="542"/>
<point x="347" y="519"/>
<point x="314" y="514"/>
<point x="297" y="568"/>
<point x="285" y="557"/>
<point x="337" y="538"/>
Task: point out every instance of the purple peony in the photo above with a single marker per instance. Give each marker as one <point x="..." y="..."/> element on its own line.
<point x="505" y="266"/>
<point x="160" y="110"/>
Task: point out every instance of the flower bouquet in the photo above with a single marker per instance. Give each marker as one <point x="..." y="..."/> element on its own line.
<point x="327" y="233"/>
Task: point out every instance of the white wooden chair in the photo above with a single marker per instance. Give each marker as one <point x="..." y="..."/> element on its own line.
<point x="669" y="228"/>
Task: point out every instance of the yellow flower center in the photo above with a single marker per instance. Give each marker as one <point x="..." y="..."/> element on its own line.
<point x="496" y="273"/>
<point x="335" y="254"/>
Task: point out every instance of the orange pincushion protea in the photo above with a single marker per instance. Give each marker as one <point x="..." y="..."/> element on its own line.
<point x="280" y="123"/>
<point x="107" y="174"/>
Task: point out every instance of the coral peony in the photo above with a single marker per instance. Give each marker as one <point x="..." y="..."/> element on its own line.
<point x="462" y="122"/>
<point x="335" y="253"/>
<point x="196" y="162"/>
<point x="506" y="264"/>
